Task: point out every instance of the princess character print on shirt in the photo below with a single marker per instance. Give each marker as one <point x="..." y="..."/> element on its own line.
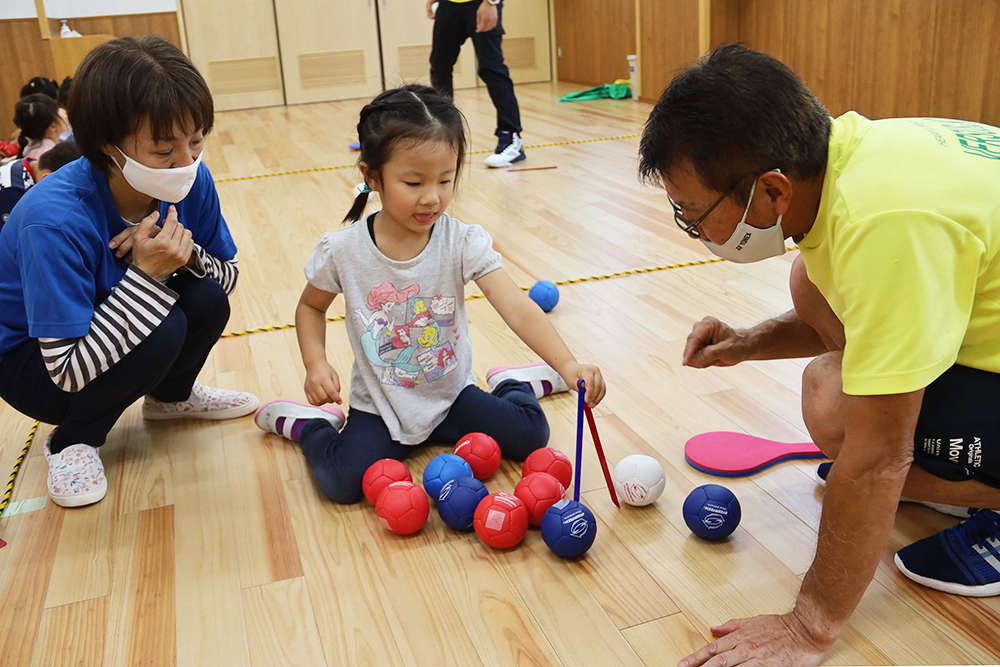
<point x="408" y="337"/>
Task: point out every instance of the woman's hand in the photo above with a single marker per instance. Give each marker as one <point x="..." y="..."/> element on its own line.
<point x="160" y="254"/>
<point x="322" y="384"/>
<point x="591" y="375"/>
<point x="122" y="243"/>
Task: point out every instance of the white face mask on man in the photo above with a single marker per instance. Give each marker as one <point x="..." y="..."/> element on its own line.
<point x="748" y="243"/>
<point x="167" y="185"/>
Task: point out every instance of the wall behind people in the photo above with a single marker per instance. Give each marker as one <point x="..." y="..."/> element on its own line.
<point x="880" y="57"/>
<point x="886" y="57"/>
<point x="594" y="37"/>
<point x="25" y="54"/>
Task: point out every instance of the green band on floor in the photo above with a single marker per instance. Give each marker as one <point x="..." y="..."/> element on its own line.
<point x="25" y="506"/>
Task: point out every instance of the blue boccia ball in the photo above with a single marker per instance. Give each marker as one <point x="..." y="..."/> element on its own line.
<point x="458" y="500"/>
<point x="569" y="528"/>
<point x="712" y="512"/>
<point x="441" y="470"/>
<point x="545" y="294"/>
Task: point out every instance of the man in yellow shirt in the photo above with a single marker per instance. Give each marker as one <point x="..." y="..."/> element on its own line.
<point x="896" y="294"/>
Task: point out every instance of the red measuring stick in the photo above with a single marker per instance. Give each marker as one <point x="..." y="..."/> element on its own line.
<point x="600" y="455"/>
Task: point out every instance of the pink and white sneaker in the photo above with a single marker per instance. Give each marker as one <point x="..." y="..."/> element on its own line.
<point x="203" y="403"/>
<point x="280" y="417"/>
<point x="541" y="377"/>
<point x="76" y="475"/>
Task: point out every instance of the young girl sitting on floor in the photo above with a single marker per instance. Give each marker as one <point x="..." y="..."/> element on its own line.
<point x="402" y="272"/>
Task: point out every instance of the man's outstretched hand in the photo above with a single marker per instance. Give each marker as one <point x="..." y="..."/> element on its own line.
<point x="764" y="641"/>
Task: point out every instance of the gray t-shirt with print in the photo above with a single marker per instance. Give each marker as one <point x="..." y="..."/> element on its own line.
<point x="406" y="320"/>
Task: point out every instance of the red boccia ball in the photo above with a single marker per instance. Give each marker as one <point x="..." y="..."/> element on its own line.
<point x="402" y="507"/>
<point x="539" y="491"/>
<point x="501" y="520"/>
<point x="551" y="461"/>
<point x="381" y="474"/>
<point x="481" y="452"/>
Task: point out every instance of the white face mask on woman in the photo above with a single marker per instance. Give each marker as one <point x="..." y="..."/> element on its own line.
<point x="748" y="243"/>
<point x="167" y="185"/>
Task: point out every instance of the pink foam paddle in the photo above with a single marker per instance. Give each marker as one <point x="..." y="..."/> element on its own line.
<point x="728" y="454"/>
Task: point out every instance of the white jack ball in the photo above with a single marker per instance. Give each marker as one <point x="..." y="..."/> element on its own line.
<point x="639" y="479"/>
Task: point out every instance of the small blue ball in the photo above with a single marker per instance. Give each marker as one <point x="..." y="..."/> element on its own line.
<point x="441" y="470"/>
<point x="569" y="528"/>
<point x="458" y="500"/>
<point x="545" y="294"/>
<point x="712" y="512"/>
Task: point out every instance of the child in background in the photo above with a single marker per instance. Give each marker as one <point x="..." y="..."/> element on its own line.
<point x="60" y="93"/>
<point x="63" y="101"/>
<point x="412" y="389"/>
<point x="40" y="84"/>
<point x="16" y="177"/>
<point x="62" y="96"/>
<point x="41" y="125"/>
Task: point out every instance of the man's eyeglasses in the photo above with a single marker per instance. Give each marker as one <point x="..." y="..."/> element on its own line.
<point x="691" y="228"/>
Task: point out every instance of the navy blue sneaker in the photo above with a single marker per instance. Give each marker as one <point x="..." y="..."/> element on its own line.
<point x="962" y="560"/>
<point x="508" y="151"/>
<point x="823" y="470"/>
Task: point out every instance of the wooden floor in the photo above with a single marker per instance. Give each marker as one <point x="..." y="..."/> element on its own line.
<point x="213" y="546"/>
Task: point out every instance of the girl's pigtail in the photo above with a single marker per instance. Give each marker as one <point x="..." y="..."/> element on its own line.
<point x="360" y="202"/>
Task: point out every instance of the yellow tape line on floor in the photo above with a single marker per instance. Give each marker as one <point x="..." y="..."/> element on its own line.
<point x="17" y="466"/>
<point x="349" y="166"/>
<point x="471" y="297"/>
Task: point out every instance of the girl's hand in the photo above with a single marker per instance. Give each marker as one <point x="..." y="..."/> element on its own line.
<point x="591" y="375"/>
<point x="322" y="385"/>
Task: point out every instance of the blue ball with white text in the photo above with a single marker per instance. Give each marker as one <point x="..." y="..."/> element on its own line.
<point x="712" y="512"/>
<point x="458" y="501"/>
<point x="569" y="528"/>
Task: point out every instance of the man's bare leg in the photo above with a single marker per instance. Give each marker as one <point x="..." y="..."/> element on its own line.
<point x="822" y="397"/>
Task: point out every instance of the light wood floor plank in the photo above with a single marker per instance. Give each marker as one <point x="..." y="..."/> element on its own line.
<point x="141" y="626"/>
<point x="665" y="641"/>
<point x="497" y="621"/>
<point x="72" y="635"/>
<point x="25" y="569"/>
<point x="211" y="630"/>
<point x="147" y="475"/>
<point x="267" y="550"/>
<point x="352" y="625"/>
<point x="424" y="622"/>
<point x="281" y="626"/>
<point x="569" y="615"/>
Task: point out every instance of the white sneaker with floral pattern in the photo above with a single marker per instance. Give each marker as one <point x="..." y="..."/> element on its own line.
<point x="204" y="403"/>
<point x="76" y="475"/>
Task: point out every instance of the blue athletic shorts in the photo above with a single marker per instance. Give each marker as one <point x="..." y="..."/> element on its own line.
<point x="958" y="431"/>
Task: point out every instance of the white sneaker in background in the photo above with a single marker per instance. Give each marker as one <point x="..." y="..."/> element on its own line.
<point x="508" y="151"/>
